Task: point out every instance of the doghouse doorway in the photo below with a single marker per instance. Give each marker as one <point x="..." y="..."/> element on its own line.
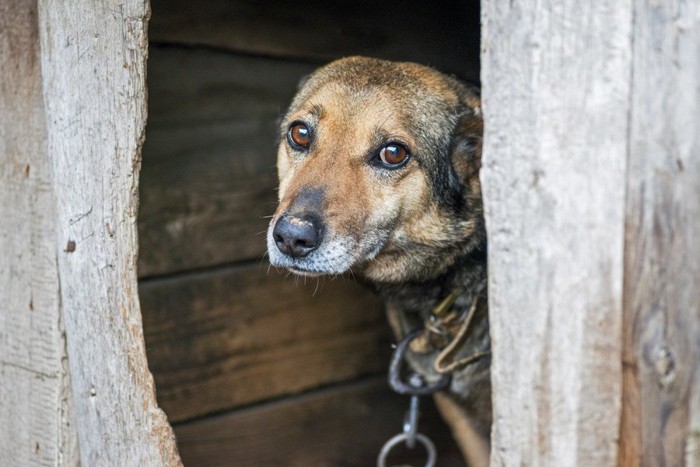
<point x="253" y="367"/>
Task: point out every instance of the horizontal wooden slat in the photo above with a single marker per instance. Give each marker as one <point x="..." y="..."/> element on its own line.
<point x="222" y="339"/>
<point x="341" y="426"/>
<point x="208" y="176"/>
<point x="443" y="34"/>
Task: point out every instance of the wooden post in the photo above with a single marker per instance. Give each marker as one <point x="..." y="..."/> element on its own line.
<point x="555" y="96"/>
<point x="36" y="423"/>
<point x="661" y="411"/>
<point x="93" y="73"/>
<point x="592" y="185"/>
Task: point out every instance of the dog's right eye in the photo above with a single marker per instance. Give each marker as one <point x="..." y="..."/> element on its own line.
<point x="393" y="155"/>
<point x="299" y="136"/>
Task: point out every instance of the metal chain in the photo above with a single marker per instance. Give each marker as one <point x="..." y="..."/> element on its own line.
<point x="415" y="387"/>
<point x="400" y="386"/>
<point x="445" y="364"/>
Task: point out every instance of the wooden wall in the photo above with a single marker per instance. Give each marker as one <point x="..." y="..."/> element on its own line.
<point x="593" y="291"/>
<point x="591" y="178"/>
<point x="32" y="337"/>
<point x="252" y="365"/>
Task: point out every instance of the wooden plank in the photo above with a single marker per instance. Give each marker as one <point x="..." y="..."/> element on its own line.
<point x="219" y="340"/>
<point x="344" y="425"/>
<point x="208" y="178"/>
<point x="37" y="425"/>
<point x="661" y="425"/>
<point x="556" y="99"/>
<point x="443" y="34"/>
<point x="93" y="66"/>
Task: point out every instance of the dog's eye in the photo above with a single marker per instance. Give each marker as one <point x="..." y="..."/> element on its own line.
<point x="299" y="136"/>
<point x="393" y="155"/>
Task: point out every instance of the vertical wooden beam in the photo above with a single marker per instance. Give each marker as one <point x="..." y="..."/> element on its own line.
<point x="661" y="412"/>
<point x="556" y="100"/>
<point x="94" y="66"/>
<point x="36" y="424"/>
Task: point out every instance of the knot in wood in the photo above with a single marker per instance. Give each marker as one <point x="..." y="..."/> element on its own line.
<point x="665" y="366"/>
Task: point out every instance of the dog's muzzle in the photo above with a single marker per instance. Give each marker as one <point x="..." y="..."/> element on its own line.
<point x="301" y="240"/>
<point x="298" y="236"/>
<point x="303" y="244"/>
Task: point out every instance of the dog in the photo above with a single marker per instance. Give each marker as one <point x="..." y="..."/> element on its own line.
<point x="378" y="166"/>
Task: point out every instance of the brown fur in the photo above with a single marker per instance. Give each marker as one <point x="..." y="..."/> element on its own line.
<point x="416" y="233"/>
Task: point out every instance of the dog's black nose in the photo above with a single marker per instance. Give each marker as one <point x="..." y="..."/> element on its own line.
<point x="297" y="236"/>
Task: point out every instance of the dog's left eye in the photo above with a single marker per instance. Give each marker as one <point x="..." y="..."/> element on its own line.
<point x="393" y="155"/>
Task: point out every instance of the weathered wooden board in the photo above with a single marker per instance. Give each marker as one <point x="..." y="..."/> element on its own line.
<point x="36" y="422"/>
<point x="93" y="66"/>
<point x="661" y="416"/>
<point x="219" y="340"/>
<point x="443" y="34"/>
<point x="556" y="91"/>
<point x="208" y="179"/>
<point x="340" y="426"/>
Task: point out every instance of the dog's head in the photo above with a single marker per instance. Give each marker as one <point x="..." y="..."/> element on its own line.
<point x="378" y="165"/>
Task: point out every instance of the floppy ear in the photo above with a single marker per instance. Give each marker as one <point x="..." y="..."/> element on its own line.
<point x="465" y="157"/>
<point x="465" y="148"/>
<point x="460" y="177"/>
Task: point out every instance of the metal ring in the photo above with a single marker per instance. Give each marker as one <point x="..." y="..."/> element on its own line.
<point x="400" y="386"/>
<point x="401" y="437"/>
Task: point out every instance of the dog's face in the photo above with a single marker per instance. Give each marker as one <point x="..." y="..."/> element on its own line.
<point x="378" y="166"/>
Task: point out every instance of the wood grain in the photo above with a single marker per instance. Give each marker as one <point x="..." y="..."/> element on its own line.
<point x="661" y="421"/>
<point x="37" y="425"/>
<point x="339" y="426"/>
<point x="223" y="339"/>
<point x="443" y="34"/>
<point x="209" y="180"/>
<point x="556" y="97"/>
<point x="93" y="65"/>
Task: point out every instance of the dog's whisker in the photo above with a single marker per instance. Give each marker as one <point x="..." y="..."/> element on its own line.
<point x="262" y="257"/>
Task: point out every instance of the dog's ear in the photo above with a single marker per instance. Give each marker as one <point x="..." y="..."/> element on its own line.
<point x="465" y="147"/>
<point x="461" y="174"/>
<point x="465" y="157"/>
